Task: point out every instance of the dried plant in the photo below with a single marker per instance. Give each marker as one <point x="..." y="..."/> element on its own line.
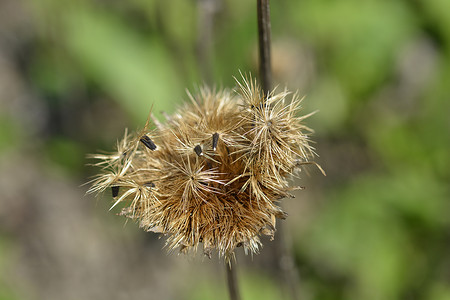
<point x="214" y="172"/>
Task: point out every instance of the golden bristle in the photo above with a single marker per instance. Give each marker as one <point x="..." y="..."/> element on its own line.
<point x="214" y="172"/>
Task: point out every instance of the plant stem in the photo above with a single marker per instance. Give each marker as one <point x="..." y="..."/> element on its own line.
<point x="233" y="287"/>
<point x="286" y="264"/>
<point x="265" y="71"/>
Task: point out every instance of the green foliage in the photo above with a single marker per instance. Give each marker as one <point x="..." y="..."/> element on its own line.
<point x="360" y="39"/>
<point x="65" y="153"/>
<point x="137" y="71"/>
<point x="381" y="230"/>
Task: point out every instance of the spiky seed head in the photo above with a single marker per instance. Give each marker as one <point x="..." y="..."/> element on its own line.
<point x="214" y="172"/>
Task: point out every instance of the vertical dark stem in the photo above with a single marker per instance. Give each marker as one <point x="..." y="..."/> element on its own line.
<point x="285" y="263"/>
<point x="265" y="71"/>
<point x="233" y="288"/>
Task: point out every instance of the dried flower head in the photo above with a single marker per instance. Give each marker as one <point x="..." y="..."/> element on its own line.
<point x="214" y="172"/>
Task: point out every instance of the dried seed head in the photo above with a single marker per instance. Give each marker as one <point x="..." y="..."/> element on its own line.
<point x="223" y="162"/>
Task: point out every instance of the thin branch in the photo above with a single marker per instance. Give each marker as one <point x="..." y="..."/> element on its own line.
<point x="233" y="287"/>
<point x="286" y="263"/>
<point x="265" y="70"/>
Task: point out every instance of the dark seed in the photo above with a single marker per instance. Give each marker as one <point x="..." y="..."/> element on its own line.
<point x="149" y="184"/>
<point x="198" y="150"/>
<point x="115" y="191"/>
<point x="148" y="142"/>
<point x="215" y="141"/>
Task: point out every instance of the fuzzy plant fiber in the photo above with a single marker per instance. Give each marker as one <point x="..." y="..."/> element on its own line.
<point x="213" y="173"/>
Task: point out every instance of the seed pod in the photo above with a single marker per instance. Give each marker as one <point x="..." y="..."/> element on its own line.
<point x="215" y="140"/>
<point x="198" y="150"/>
<point x="148" y="142"/>
<point x="115" y="191"/>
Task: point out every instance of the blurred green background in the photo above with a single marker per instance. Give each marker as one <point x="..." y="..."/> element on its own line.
<point x="75" y="74"/>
